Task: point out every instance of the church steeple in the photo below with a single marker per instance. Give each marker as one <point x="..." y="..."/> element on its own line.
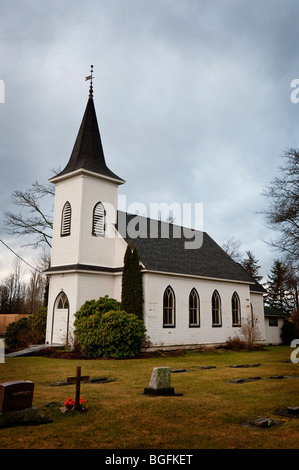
<point x="88" y="151"/>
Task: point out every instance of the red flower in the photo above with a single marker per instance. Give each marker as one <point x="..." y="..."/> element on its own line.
<point x="70" y="404"/>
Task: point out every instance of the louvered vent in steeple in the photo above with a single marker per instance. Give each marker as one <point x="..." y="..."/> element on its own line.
<point x="66" y="220"/>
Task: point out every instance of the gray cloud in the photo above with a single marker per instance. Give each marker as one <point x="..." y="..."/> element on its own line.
<point x="192" y="98"/>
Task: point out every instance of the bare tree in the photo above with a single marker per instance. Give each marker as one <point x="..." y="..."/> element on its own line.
<point x="282" y="213"/>
<point x="34" y="221"/>
<point x="231" y="246"/>
<point x="250" y="332"/>
<point x="15" y="289"/>
<point x="21" y="295"/>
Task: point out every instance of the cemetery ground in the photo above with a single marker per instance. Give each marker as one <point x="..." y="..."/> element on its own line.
<point x="208" y="415"/>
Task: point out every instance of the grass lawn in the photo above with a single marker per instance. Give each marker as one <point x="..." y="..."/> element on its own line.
<point x="207" y="416"/>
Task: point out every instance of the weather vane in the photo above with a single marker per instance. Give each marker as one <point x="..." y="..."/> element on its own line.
<point x="90" y="77"/>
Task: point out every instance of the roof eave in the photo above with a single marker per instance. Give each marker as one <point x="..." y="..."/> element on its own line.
<point x="83" y="171"/>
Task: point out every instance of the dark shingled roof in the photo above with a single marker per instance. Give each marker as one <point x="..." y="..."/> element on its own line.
<point x="88" y="150"/>
<point x="272" y="312"/>
<point x="170" y="255"/>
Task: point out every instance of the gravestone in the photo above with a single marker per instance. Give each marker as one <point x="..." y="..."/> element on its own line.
<point x="263" y="422"/>
<point x="242" y="381"/>
<point x="16" y="404"/>
<point x="290" y="412"/>
<point x="293" y="410"/>
<point x="160" y="382"/>
<point x="16" y="395"/>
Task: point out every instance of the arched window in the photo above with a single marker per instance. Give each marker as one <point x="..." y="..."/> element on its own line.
<point x="216" y="309"/>
<point x="62" y="301"/>
<point x="66" y="220"/>
<point x="236" y="310"/>
<point x="169" y="308"/>
<point x="194" y="308"/>
<point x="98" y="220"/>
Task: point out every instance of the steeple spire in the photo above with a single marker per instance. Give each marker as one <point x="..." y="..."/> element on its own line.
<point x="90" y="77"/>
<point x="88" y="152"/>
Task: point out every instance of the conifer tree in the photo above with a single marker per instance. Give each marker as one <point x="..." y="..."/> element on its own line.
<point x="282" y="287"/>
<point x="251" y="266"/>
<point x="138" y="286"/>
<point x="132" y="289"/>
<point x="126" y="291"/>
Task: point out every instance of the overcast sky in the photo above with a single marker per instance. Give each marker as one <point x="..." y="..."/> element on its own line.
<point x="192" y="99"/>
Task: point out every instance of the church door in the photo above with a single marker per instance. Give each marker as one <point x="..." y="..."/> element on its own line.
<point x="60" y="328"/>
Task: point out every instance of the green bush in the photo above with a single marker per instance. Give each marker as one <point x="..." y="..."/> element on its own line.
<point x="103" y="330"/>
<point x="15" y="332"/>
<point x="100" y="306"/>
<point x="122" y="335"/>
<point x="37" y="323"/>
<point x="87" y="319"/>
<point x="87" y="334"/>
<point x="28" y="330"/>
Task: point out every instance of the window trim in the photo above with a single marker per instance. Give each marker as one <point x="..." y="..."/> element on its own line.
<point x="219" y="310"/>
<point x="95" y="220"/>
<point x="194" y="294"/>
<point x="66" y="220"/>
<point x="169" y="291"/>
<point x="64" y="302"/>
<point x="236" y="297"/>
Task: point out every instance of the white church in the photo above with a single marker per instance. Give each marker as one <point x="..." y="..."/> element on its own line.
<point x="191" y="296"/>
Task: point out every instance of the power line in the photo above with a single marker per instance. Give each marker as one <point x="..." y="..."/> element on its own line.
<point x="16" y="254"/>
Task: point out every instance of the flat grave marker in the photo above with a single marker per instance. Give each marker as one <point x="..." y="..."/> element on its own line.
<point x="290" y="412"/>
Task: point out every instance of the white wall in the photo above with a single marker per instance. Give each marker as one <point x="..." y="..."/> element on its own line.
<point x="78" y="287"/>
<point x="65" y="250"/>
<point x="257" y="302"/>
<point x="98" y="251"/>
<point x="83" y="192"/>
<point x="182" y="334"/>
<point x="68" y="285"/>
<point x="273" y="332"/>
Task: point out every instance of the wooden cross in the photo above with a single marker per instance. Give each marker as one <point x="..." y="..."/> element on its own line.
<point x="77" y="380"/>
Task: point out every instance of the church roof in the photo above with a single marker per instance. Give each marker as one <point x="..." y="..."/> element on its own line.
<point x="273" y="312"/>
<point x="170" y="254"/>
<point x="88" y="151"/>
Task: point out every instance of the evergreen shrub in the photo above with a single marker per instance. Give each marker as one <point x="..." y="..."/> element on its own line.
<point x="14" y="332"/>
<point x="121" y="335"/>
<point x="103" y="330"/>
<point x="37" y="323"/>
<point x="27" y="330"/>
